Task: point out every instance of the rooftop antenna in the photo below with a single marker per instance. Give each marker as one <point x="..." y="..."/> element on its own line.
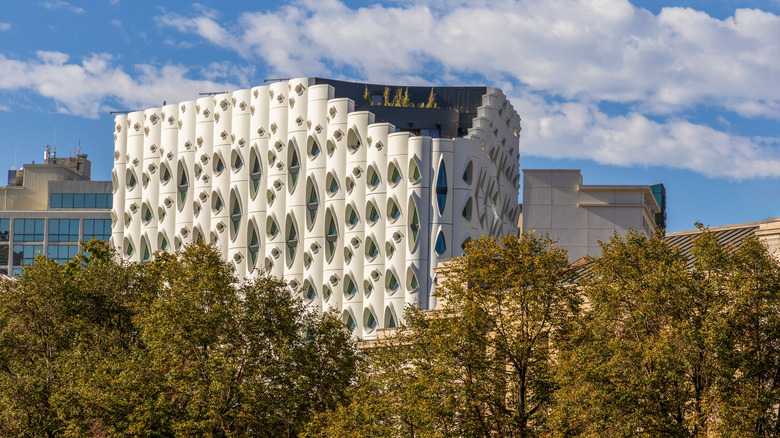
<point x="16" y="153"/>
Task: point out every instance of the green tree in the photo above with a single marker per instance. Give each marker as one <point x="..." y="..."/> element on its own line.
<point x="406" y="101"/>
<point x="431" y="103"/>
<point x="51" y="315"/>
<point x="175" y="347"/>
<point x="668" y="348"/>
<point x="398" y="97"/>
<point x="483" y="364"/>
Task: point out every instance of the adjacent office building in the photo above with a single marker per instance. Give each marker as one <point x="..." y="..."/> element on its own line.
<point x="557" y="203"/>
<point x="351" y="192"/>
<point x="49" y="209"/>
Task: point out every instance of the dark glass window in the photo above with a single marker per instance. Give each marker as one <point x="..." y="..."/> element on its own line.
<point x="63" y="230"/>
<point x="90" y="200"/>
<point x="25" y="254"/>
<point x="62" y="253"/>
<point x="5" y="229"/>
<point x="441" y="246"/>
<point x="441" y="188"/>
<point x="28" y="230"/>
<point x="99" y="229"/>
<point x="81" y="200"/>
<point x="349" y="287"/>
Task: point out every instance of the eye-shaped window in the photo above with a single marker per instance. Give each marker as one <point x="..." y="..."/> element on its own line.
<point x="414" y="172"/>
<point x="441" y="188"/>
<point x="372" y="178"/>
<point x="394" y="175"/>
<point x="350" y="289"/>
<point x="352" y="216"/>
<point x="393" y="212"/>
<point x="441" y="245"/>
<point x="256" y="173"/>
<point x="371" y="249"/>
<point x="332" y="183"/>
<point x="372" y="213"/>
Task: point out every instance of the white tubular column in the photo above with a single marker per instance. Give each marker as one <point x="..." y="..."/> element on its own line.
<point x="277" y="177"/>
<point x="183" y="177"/>
<point x="336" y="161"/>
<point x="258" y="177"/>
<point x="441" y="214"/>
<point x="463" y="208"/>
<point x="313" y="249"/>
<point x="296" y="164"/>
<point x="355" y="214"/>
<point x="375" y="215"/>
<point x="397" y="224"/>
<point x="118" y="181"/>
<point x="133" y="172"/>
<point x="151" y="188"/>
<point x="202" y="170"/>
<point x="166" y="175"/>
<point x="239" y="180"/>
<point x="418" y="234"/>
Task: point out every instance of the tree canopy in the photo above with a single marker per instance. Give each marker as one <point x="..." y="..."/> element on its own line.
<point x="639" y="343"/>
<point x="643" y="341"/>
<point x="483" y="365"/>
<point x="175" y="347"/>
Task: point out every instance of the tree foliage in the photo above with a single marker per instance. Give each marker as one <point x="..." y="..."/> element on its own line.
<point x="666" y="350"/>
<point x="480" y="366"/>
<point x="175" y="347"/>
<point x="644" y="342"/>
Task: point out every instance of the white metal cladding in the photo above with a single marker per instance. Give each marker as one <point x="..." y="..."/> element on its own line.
<point x="287" y="179"/>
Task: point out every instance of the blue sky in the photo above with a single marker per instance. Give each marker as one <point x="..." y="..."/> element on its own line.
<point x="686" y="93"/>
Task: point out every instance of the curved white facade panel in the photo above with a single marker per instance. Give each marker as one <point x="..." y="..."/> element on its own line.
<point x="290" y="179"/>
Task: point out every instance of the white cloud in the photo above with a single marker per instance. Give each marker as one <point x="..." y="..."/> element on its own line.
<point x="60" y="4"/>
<point x="578" y="52"/>
<point x="5" y="27"/>
<point x="97" y="84"/>
<point x="585" y="50"/>
<point x="578" y="130"/>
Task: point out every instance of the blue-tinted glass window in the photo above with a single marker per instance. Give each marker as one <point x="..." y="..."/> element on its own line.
<point x="4" y="252"/>
<point x="28" y="230"/>
<point x="25" y="254"/>
<point x="67" y="200"/>
<point x="102" y="200"/>
<point x="441" y="245"/>
<point x="89" y="200"/>
<point x="5" y="229"/>
<point x="62" y="253"/>
<point x="97" y="228"/>
<point x="81" y="200"/>
<point x="441" y="188"/>
<point x="63" y="230"/>
<point x="56" y="200"/>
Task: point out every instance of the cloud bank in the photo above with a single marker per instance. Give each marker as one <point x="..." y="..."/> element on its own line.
<point x="561" y="62"/>
<point x="557" y="60"/>
<point x="96" y="84"/>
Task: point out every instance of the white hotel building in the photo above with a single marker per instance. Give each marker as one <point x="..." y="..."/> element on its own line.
<point x="352" y="201"/>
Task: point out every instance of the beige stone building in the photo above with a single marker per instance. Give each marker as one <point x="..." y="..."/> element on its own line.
<point x="48" y="209"/>
<point x="557" y="203"/>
